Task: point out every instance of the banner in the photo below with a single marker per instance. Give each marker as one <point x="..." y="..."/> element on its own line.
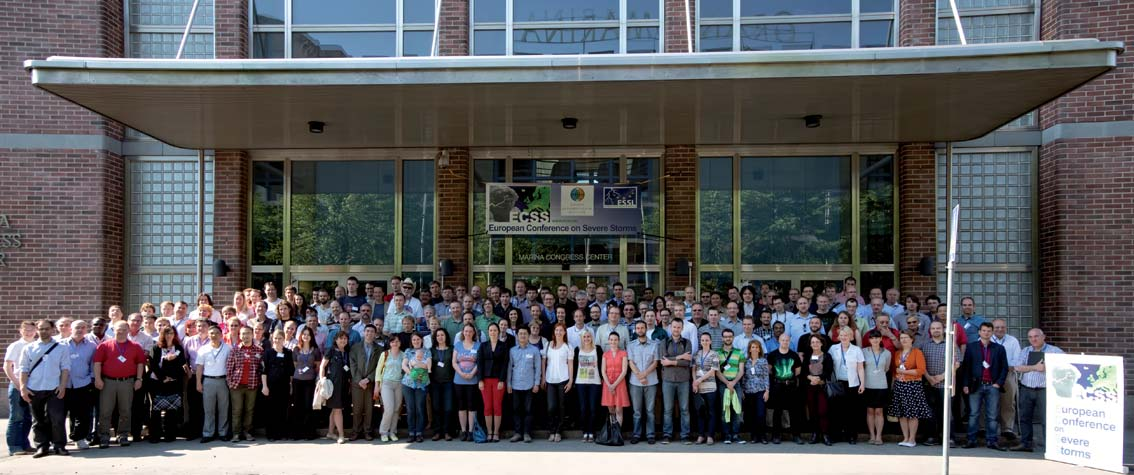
<point x="1085" y="410"/>
<point x="557" y="209"/>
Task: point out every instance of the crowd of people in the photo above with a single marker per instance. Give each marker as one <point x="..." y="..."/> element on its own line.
<point x="732" y="366"/>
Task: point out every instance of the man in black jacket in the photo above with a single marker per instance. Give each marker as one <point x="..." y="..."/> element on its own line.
<point x="982" y="376"/>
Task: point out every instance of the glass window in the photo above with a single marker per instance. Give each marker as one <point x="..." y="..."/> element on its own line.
<point x="268" y="12"/>
<point x="487" y="250"/>
<point x="642" y="10"/>
<point x="340" y="213"/>
<point x="795" y="210"/>
<point x="417" y="11"/>
<point x="489" y="11"/>
<point x="417" y="212"/>
<point x="342" y="45"/>
<point x="876" y="209"/>
<point x="876" y="6"/>
<point x="795" y="36"/>
<point x="646" y="249"/>
<point x="417" y="43"/>
<point x="489" y="42"/>
<point x="716" y="210"/>
<point x="345" y="12"/>
<point x="267" y="213"/>
<point x="268" y="45"/>
<point x="639" y="281"/>
<point x="715" y="38"/>
<point x="565" y="249"/>
<point x="711" y="281"/>
<point x="793" y="7"/>
<point x="559" y="11"/>
<point x="876" y="34"/>
<point x="642" y="40"/>
<point x="565" y="41"/>
<point x="880" y="280"/>
<point x="715" y="8"/>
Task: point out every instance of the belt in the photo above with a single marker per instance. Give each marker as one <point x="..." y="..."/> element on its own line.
<point x="128" y="378"/>
<point x="213" y="377"/>
<point x="1041" y="388"/>
<point x="986" y="383"/>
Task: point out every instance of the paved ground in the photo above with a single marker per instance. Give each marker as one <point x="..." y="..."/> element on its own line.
<point x="506" y="458"/>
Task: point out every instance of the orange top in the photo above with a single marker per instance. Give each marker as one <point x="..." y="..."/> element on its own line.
<point x="915" y="360"/>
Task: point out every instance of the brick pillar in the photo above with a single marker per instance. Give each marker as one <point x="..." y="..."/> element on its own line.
<point x="230" y="218"/>
<point x="676" y="40"/>
<point x="453" y="29"/>
<point x="1085" y="193"/>
<point x="452" y="188"/>
<point x="917" y="221"/>
<point x="680" y="169"/>
<point x="231" y="24"/>
<point x="918" y="22"/>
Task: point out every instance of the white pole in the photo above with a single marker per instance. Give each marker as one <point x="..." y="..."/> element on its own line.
<point x="957" y="21"/>
<point x="436" y="27"/>
<point x="188" y="25"/>
<point x="688" y="29"/>
<point x="954" y="217"/>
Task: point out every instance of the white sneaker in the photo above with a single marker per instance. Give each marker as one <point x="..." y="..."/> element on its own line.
<point x="82" y="444"/>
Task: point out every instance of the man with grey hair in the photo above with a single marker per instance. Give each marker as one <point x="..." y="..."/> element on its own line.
<point x="1008" y="396"/>
<point x="1033" y="397"/>
<point x="81" y="394"/>
<point x="63" y="324"/>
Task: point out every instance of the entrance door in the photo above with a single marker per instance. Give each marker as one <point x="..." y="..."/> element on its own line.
<point x="552" y="280"/>
<point x="782" y="282"/>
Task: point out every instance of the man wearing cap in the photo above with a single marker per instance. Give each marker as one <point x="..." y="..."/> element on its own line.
<point x="412" y="304"/>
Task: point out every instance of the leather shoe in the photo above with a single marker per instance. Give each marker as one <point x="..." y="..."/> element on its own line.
<point x="997" y="448"/>
<point x="61" y="451"/>
<point x="797" y="440"/>
<point x="40" y="452"/>
<point x="814" y="439"/>
<point x="776" y="439"/>
<point x="969" y="445"/>
<point x="826" y="441"/>
<point x="1021" y="448"/>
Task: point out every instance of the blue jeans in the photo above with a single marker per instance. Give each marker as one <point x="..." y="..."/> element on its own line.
<point x="415" y="409"/>
<point x="642" y="399"/>
<point x="989" y="396"/>
<point x="680" y="391"/>
<point x="708" y="412"/>
<point x="19" y="422"/>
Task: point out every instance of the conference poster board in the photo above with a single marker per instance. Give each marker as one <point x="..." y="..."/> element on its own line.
<point x="1085" y="413"/>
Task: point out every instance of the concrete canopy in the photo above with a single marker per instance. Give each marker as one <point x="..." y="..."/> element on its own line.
<point x="887" y="95"/>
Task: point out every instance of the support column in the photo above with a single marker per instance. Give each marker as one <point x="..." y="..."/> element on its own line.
<point x="917" y="221"/>
<point x="230" y="221"/>
<point x="679" y="165"/>
<point x="453" y="194"/>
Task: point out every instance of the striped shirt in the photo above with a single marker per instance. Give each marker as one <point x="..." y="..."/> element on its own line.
<point x="1034" y="379"/>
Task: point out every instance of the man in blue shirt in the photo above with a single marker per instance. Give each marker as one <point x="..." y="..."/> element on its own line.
<point x="44" y="368"/>
<point x="81" y="392"/>
<point x="343" y="325"/>
<point x="969" y="320"/>
<point x="524" y="375"/>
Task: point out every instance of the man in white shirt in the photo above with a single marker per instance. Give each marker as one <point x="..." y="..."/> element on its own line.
<point x="1011" y="346"/>
<point x="19" y="421"/>
<point x="412" y="304"/>
<point x="779" y="313"/>
<point x="45" y="366"/>
<point x="1033" y="387"/>
<point x="892" y="306"/>
<point x="212" y="360"/>
<point x="273" y="299"/>
<point x="575" y="332"/>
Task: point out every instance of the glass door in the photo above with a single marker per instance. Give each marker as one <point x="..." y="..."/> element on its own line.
<point x="783" y="282"/>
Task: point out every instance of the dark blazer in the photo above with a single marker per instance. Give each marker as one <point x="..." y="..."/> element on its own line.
<point x="359" y="369"/>
<point x="493" y="364"/>
<point x="161" y="369"/>
<point x="972" y="367"/>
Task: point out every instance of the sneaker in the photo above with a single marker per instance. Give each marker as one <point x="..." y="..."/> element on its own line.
<point x="385" y="438"/>
<point x="665" y="440"/>
<point x="634" y="440"/>
<point x="1021" y="448"/>
<point x="903" y="444"/>
<point x="124" y="441"/>
<point x="82" y="445"/>
<point x="930" y="442"/>
<point x="393" y="438"/>
<point x="742" y="442"/>
<point x="516" y="438"/>
<point x="709" y="441"/>
<point x="527" y="439"/>
<point x="686" y="441"/>
<point x="650" y="440"/>
<point x="727" y="441"/>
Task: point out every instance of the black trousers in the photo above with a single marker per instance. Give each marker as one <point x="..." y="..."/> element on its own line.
<point x="786" y="398"/>
<point x="556" y="405"/>
<point x="166" y="424"/>
<point x="522" y="411"/>
<point x="195" y="405"/>
<point x="140" y="412"/>
<point x="276" y="407"/>
<point x="48" y="422"/>
<point x="79" y="405"/>
<point x="302" y="417"/>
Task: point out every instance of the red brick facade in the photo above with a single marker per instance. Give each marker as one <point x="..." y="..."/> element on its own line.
<point x="917" y="22"/>
<point x="230" y="214"/>
<point x="676" y="34"/>
<point x="453" y="214"/>
<point x="679" y="167"/>
<point x="231" y="27"/>
<point x="917" y="195"/>
<point x="453" y="28"/>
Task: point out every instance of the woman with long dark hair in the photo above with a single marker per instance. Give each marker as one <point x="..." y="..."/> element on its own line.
<point x="467" y="375"/>
<point x="307" y="360"/>
<point x="441" y="378"/>
<point x="818" y="372"/>
<point x="167" y="376"/>
<point x="336" y="367"/>
<point x="492" y="363"/>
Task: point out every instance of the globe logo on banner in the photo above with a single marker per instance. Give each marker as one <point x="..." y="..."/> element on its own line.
<point x="577" y="194"/>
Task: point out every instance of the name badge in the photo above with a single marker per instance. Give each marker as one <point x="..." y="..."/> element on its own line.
<point x="527" y="357"/>
<point x="876" y="371"/>
<point x="74" y="355"/>
<point x="440" y="364"/>
<point x="967" y="325"/>
<point x="279" y="355"/>
<point x="902" y="367"/>
<point x="752" y="371"/>
<point x="728" y="367"/>
<point x="346" y="368"/>
<point x="304" y="370"/>
<point x="814" y="358"/>
<point x="985" y="364"/>
<point x="121" y="359"/>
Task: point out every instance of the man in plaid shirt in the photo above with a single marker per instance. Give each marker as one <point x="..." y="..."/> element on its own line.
<point x="243" y="374"/>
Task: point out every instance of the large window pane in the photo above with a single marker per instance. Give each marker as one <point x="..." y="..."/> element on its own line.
<point x="556" y="250"/>
<point x="267" y="213"/>
<point x="565" y="41"/>
<point x="342" y="212"/>
<point x="795" y="210"/>
<point x="417" y="11"/>
<point x="715" y="38"/>
<point x="268" y="45"/>
<point x="646" y="249"/>
<point x="596" y="170"/>
<point x="342" y="45"/>
<point x="715" y="8"/>
<point x="876" y="209"/>
<point x="489" y="11"/>
<point x="642" y="10"/>
<point x="556" y="10"/>
<point x="795" y="36"/>
<point x="268" y="12"/>
<point x="487" y="250"/>
<point x="417" y="43"/>
<point x="489" y="42"/>
<point x="794" y="7"/>
<point x="711" y="281"/>
<point x="876" y="34"/>
<point x="642" y="40"/>
<point x="344" y="12"/>
<point x="876" y="6"/>
<point x="716" y="210"/>
<point x="417" y="212"/>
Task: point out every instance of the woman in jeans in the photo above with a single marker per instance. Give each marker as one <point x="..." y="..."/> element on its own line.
<point x="441" y="382"/>
<point x="850" y="374"/>
<point x="306" y="359"/>
<point x="755" y="384"/>
<point x="818" y="371"/>
<point x="492" y="363"/>
<point x="706" y="399"/>
<point x="465" y="379"/>
<point x="588" y="382"/>
<point x="557" y="361"/>
<point x="389" y="389"/>
<point x="415" y="384"/>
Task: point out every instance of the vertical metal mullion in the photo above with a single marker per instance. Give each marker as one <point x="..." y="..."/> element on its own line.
<point x="472" y="35"/>
<point x="287" y="28"/>
<point x="126" y="30"/>
<point x="398" y="27"/>
<point x="399" y="199"/>
<point x="856" y="21"/>
<point x="508" y="8"/>
<point x="661" y="226"/>
<point x="896" y="222"/>
<point x="661" y="33"/>
<point x="1034" y="267"/>
<point x="856" y="236"/>
<point x="735" y="27"/>
<point x="735" y="218"/>
<point x="622" y="26"/>
<point x="623" y="259"/>
<point x="286" y="277"/>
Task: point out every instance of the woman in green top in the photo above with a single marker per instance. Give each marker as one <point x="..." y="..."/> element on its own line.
<point x="389" y="389"/>
<point x="416" y="365"/>
<point x="441" y="383"/>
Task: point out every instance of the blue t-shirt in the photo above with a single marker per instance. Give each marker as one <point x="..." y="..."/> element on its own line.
<point x="466" y="362"/>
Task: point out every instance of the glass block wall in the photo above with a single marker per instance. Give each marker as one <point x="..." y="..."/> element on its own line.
<point x="995" y="263"/>
<point x="155" y="28"/>
<point x="162" y="223"/>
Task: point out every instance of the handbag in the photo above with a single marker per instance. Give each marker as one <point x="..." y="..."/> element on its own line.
<point x="835" y="389"/>
<point x="167" y="402"/>
<point x="611" y="433"/>
<point x="478" y="434"/>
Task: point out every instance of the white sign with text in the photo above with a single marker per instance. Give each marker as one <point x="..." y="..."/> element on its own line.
<point x="1085" y="411"/>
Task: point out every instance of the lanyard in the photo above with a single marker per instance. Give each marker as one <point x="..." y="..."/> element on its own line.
<point x="877" y="358"/>
<point x="904" y="356"/>
<point x="121" y="349"/>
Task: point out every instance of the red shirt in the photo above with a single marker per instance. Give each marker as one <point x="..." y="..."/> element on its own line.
<point x="119" y="360"/>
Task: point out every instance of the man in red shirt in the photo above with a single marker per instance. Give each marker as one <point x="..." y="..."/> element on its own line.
<point x="243" y="374"/>
<point x="118" y="368"/>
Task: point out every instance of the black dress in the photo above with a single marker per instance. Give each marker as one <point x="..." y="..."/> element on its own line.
<point x="338" y="371"/>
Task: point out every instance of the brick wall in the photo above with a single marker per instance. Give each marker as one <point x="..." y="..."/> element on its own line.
<point x="917" y="22"/>
<point x="452" y="209"/>
<point x="679" y="166"/>
<point x="676" y="40"/>
<point x="230" y="218"/>
<point x="231" y="26"/>
<point x="453" y="32"/>
<point x="916" y="217"/>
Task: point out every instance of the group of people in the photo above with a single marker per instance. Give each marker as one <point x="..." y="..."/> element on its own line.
<point x="732" y="366"/>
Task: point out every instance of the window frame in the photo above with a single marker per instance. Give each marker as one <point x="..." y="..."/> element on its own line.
<point x="509" y="26"/>
<point x="855" y="18"/>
